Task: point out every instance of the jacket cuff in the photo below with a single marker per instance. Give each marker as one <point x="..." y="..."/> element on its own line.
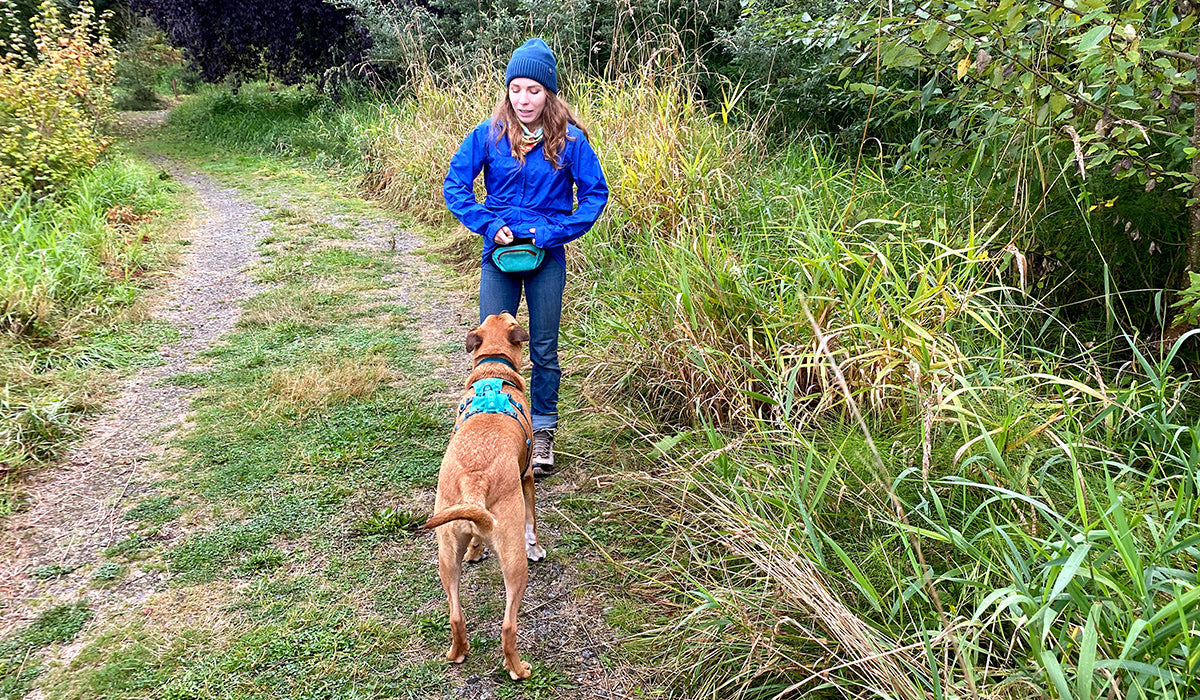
<point x="541" y="236"/>
<point x="489" y="231"/>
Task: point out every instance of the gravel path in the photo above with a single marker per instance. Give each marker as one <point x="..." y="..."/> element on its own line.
<point x="74" y="508"/>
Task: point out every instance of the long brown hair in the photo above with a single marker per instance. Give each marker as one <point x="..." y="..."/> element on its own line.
<point x="556" y="114"/>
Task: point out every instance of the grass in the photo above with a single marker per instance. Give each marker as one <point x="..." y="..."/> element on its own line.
<point x="107" y="574"/>
<point x="327" y="651"/>
<point x="286" y="525"/>
<point x="282" y="123"/>
<point x="155" y="510"/>
<point x="543" y="684"/>
<point x="19" y="664"/>
<point x="76" y="266"/>
<point x="80" y="249"/>
<point x="768" y="538"/>
<point x="388" y="522"/>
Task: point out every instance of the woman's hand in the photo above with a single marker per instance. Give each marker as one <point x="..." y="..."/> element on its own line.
<point x="504" y="236"/>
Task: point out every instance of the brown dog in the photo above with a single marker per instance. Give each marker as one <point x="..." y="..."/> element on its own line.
<point x="485" y="488"/>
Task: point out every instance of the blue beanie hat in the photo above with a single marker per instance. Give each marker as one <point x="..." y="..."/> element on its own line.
<point x="535" y="61"/>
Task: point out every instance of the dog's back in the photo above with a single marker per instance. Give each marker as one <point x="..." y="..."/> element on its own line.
<point x="483" y="464"/>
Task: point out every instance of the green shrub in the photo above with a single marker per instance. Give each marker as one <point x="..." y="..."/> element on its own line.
<point x="54" y="100"/>
<point x="144" y="58"/>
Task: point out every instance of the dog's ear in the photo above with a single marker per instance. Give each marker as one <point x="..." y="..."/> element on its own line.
<point x="473" y="341"/>
<point x="518" y="335"/>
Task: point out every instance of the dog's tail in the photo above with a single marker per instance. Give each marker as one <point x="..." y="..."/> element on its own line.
<point x="464" y="511"/>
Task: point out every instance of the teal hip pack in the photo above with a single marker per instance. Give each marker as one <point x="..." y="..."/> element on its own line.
<point x="519" y="256"/>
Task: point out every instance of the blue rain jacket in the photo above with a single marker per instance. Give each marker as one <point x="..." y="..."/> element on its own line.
<point x="535" y="200"/>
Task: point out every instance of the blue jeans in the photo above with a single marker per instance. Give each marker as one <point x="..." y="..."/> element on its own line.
<point x="499" y="292"/>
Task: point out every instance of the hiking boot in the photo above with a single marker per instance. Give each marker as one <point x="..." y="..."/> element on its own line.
<point x="543" y="453"/>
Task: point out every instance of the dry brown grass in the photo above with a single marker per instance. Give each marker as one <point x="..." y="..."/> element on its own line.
<point x="331" y="381"/>
<point x="406" y="164"/>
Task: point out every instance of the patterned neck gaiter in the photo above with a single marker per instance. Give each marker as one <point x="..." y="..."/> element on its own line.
<point x="529" y="140"/>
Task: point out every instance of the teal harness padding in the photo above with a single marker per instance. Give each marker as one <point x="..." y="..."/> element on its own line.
<point x="490" y="397"/>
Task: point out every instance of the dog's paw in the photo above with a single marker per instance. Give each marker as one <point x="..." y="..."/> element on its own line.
<point x="456" y="655"/>
<point x="475" y="552"/>
<point x="533" y="550"/>
<point x="522" y="672"/>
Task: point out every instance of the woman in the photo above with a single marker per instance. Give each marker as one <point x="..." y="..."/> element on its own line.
<point x="536" y="160"/>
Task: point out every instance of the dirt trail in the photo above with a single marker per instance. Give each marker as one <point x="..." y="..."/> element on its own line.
<point x="75" y="508"/>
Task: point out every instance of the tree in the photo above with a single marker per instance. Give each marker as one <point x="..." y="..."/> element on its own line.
<point x="293" y="40"/>
<point x="1113" y="86"/>
<point x="600" y="37"/>
<point x="786" y="73"/>
<point x="1118" y="82"/>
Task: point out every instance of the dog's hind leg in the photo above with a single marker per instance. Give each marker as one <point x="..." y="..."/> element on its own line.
<point x="533" y="549"/>
<point x="516" y="577"/>
<point x="453" y="541"/>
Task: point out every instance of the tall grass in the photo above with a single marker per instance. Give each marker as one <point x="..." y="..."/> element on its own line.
<point x="79" y="250"/>
<point x="882" y="469"/>
<point x="410" y="150"/>
<point x="1068" y="567"/>
<point x="70" y="264"/>
<point x="930" y="488"/>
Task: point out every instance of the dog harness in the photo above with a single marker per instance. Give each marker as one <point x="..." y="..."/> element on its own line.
<point x="489" y="397"/>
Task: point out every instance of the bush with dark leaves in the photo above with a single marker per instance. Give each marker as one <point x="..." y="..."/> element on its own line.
<point x="289" y="40"/>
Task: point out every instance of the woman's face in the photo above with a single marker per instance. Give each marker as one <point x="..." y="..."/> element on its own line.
<point x="528" y="99"/>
